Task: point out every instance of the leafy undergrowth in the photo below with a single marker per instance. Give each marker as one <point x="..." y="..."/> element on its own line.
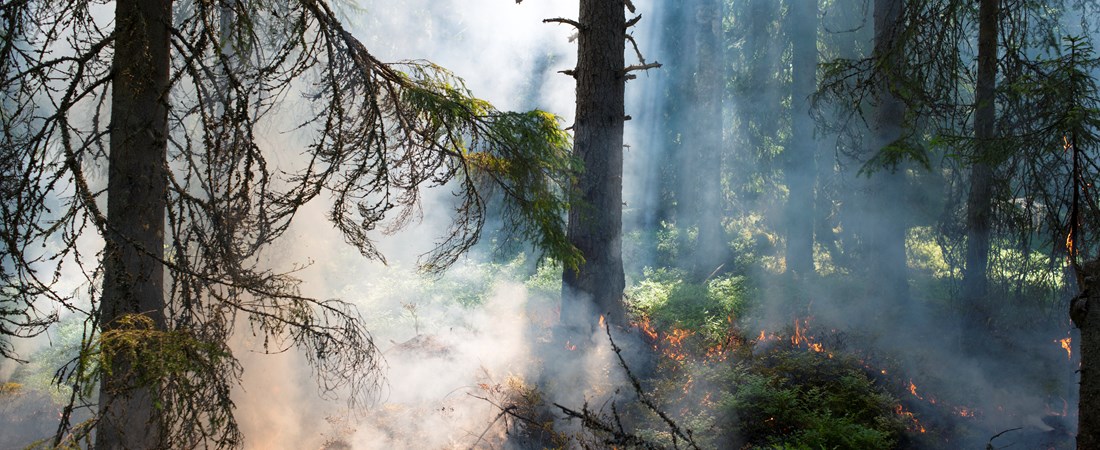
<point x="784" y="389"/>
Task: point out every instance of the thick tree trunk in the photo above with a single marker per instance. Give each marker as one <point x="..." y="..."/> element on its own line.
<point x="595" y="216"/>
<point x="1085" y="312"/>
<point x="979" y="201"/>
<point x="136" y="195"/>
<point x="884" y="238"/>
<point x="801" y="166"/>
<point x="700" y="199"/>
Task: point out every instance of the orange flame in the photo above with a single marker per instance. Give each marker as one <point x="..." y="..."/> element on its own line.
<point x="1067" y="345"/>
<point x="678" y="335"/>
<point x="913" y="390"/>
<point x="914" y="424"/>
<point x="762" y="337"/>
<point x="601" y="321"/>
<point x="798" y="337"/>
<point x="647" y="329"/>
<point x="675" y="344"/>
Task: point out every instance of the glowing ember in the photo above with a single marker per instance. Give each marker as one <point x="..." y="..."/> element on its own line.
<point x="717" y="353"/>
<point x="1067" y="345"/>
<point x="964" y="412"/>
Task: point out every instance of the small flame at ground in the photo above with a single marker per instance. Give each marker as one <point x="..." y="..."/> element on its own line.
<point x="570" y="346"/>
<point x="647" y="328"/>
<point x="675" y="344"/>
<point x="601" y="321"/>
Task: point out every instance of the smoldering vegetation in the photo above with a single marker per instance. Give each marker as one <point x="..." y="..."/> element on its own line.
<point x="744" y="353"/>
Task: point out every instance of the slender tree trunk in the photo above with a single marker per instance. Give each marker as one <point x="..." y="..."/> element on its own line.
<point x="979" y="201"/>
<point x="595" y="216"/>
<point x="664" y="127"/>
<point x="136" y="196"/>
<point x="1085" y="312"/>
<point x="701" y="160"/>
<point x="884" y="239"/>
<point x="801" y="166"/>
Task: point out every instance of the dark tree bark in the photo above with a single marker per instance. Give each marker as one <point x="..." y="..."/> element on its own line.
<point x="884" y="236"/>
<point x="136" y="198"/>
<point x="700" y="198"/>
<point x="595" y="215"/>
<point x="979" y="201"/>
<point x="1085" y="312"/>
<point x="801" y="166"/>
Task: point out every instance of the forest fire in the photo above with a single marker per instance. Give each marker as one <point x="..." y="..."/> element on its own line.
<point x="913" y="423"/>
<point x="801" y="338"/>
<point x="675" y="344"/>
<point x="671" y="344"/>
<point x="1067" y="345"/>
<point x="913" y="390"/>
<point x="647" y="328"/>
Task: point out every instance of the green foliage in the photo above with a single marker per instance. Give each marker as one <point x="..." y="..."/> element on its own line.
<point x="155" y="356"/>
<point x="799" y="399"/>
<point x="526" y="156"/>
<point x="546" y="282"/>
<point x="670" y="300"/>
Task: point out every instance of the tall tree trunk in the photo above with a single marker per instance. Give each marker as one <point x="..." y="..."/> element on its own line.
<point x="1085" y="312"/>
<point x="979" y="201"/>
<point x="595" y="215"/>
<point x="801" y="167"/>
<point x="884" y="238"/>
<point x="664" y="125"/>
<point x="700" y="199"/>
<point x="136" y="195"/>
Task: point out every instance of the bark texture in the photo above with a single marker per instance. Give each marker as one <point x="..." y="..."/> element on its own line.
<point x="595" y="215"/>
<point x="700" y="199"/>
<point x="884" y="235"/>
<point x="801" y="164"/>
<point x="136" y="196"/>
<point x="1085" y="312"/>
<point x="979" y="200"/>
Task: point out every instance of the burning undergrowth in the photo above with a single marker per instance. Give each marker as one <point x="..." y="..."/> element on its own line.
<point x="474" y="362"/>
<point x="750" y="374"/>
